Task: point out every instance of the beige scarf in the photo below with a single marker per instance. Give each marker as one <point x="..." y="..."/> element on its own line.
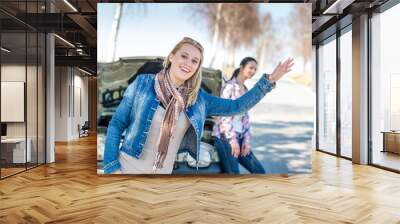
<point x="174" y="101"/>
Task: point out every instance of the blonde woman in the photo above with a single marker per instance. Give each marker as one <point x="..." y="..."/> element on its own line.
<point x="163" y="112"/>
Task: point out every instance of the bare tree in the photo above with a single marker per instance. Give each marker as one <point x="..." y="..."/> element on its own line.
<point x="132" y="9"/>
<point x="232" y="25"/>
<point x="240" y="29"/>
<point x="213" y="15"/>
<point x="217" y="24"/>
<point x="300" y="22"/>
<point x="115" y="29"/>
<point x="268" y="44"/>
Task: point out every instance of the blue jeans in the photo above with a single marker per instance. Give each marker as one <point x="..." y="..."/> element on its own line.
<point x="230" y="164"/>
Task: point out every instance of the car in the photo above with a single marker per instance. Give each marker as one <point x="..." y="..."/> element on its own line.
<point x="113" y="79"/>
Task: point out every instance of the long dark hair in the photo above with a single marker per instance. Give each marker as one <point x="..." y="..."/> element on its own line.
<point x="243" y="63"/>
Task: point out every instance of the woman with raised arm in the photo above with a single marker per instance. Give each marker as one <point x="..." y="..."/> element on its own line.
<point x="163" y="112"/>
<point x="233" y="136"/>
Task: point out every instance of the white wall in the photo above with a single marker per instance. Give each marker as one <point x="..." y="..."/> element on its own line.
<point x="80" y="88"/>
<point x="70" y="83"/>
<point x="12" y="100"/>
<point x="33" y="126"/>
<point x="12" y="73"/>
<point x="61" y="103"/>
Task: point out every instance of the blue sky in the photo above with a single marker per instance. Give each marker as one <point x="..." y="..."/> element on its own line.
<point x="154" y="29"/>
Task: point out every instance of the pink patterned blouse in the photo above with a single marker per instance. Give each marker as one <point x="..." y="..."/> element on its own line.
<point x="230" y="126"/>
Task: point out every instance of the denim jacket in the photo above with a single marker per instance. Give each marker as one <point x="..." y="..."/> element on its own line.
<point x="135" y="113"/>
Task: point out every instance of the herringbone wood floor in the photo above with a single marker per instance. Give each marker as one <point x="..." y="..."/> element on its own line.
<point x="70" y="191"/>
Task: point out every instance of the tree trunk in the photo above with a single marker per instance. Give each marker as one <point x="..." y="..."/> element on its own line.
<point x="231" y="63"/>
<point x="261" y="54"/>
<point x="227" y="47"/>
<point x="216" y="34"/>
<point x="115" y="30"/>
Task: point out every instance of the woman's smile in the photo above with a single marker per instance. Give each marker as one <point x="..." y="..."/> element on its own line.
<point x="185" y="69"/>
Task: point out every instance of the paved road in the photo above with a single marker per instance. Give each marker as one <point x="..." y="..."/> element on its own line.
<point x="282" y="127"/>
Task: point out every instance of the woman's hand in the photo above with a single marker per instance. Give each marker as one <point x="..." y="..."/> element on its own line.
<point x="245" y="150"/>
<point x="235" y="148"/>
<point x="281" y="69"/>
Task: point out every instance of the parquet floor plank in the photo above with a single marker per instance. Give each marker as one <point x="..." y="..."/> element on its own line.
<point x="70" y="191"/>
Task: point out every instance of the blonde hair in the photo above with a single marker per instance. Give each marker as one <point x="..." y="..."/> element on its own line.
<point x="195" y="80"/>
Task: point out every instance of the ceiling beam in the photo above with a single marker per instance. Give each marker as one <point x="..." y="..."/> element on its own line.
<point x="77" y="61"/>
<point x="337" y="6"/>
<point x="84" y="24"/>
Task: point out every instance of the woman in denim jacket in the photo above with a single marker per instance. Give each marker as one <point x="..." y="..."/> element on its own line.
<point x="163" y="112"/>
<point x="232" y="133"/>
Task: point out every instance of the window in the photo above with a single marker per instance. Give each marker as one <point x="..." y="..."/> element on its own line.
<point x="22" y="75"/>
<point x="395" y="102"/>
<point x="327" y="96"/>
<point x="346" y="94"/>
<point x="385" y="88"/>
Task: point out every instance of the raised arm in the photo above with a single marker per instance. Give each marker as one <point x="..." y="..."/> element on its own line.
<point x="119" y="122"/>
<point x="225" y="107"/>
<point x="217" y="106"/>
